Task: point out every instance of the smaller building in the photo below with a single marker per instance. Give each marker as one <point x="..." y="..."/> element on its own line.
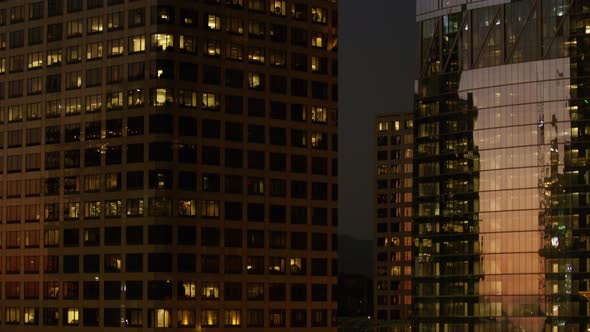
<point x="393" y="216"/>
<point x="355" y="296"/>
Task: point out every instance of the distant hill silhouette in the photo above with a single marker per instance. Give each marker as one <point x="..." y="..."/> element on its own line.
<point x="355" y="256"/>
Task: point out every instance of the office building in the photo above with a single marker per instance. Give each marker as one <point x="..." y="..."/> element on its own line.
<point x="501" y="178"/>
<point x="168" y="164"/>
<point x="392" y="277"/>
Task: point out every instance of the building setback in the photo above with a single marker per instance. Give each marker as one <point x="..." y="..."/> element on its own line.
<point x="168" y="164"/>
<point x="393" y="217"/>
<point x="501" y="171"/>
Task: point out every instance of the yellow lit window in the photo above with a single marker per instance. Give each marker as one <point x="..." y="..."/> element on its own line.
<point x="186" y="318"/>
<point x="12" y="315"/>
<point x="209" y="318"/>
<point x="135" y="207"/>
<point x="318" y="40"/>
<point x="35" y="61"/>
<point x="213" y="47"/>
<point x="189" y="289"/>
<point x="319" y="114"/>
<point x="209" y="209"/>
<point x="72" y="316"/>
<point x="162" y="41"/>
<point x="136" y="44"/>
<point x="187" y="208"/>
<point x="255" y="81"/>
<point x="71" y="210"/>
<point x="187" y="44"/>
<point x="53" y="57"/>
<point x="115" y="47"/>
<point x="278" y="7"/>
<point x="187" y="98"/>
<point x="2" y="65"/>
<point x="232" y="317"/>
<point x="135" y="98"/>
<point x="213" y="22"/>
<point x="319" y="15"/>
<point x="114" y="100"/>
<point x="30" y="316"/>
<point x="113" y="208"/>
<point x="94" y="24"/>
<point x="162" y="318"/>
<point x="92" y="209"/>
<point x="162" y="97"/>
<point x="210" y="290"/>
<point x="256" y="54"/>
<point x="94" y="51"/>
<point x="210" y="101"/>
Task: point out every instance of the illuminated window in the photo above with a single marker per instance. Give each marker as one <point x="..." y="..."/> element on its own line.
<point x="113" y="208"/>
<point x="92" y="209"/>
<point x="319" y="140"/>
<point x="73" y="105"/>
<point x="54" y="57"/>
<point x="187" y="98"/>
<point x="278" y="58"/>
<point x="297" y="265"/>
<point x="135" y="98"/>
<point x="71" y="210"/>
<point x="115" y="21"/>
<point x="319" y="15"/>
<point x="187" y="208"/>
<point x="187" y="43"/>
<point x="235" y="24"/>
<point x="213" y="48"/>
<point x="136" y="44"/>
<point x="72" y="316"/>
<point x="235" y="52"/>
<point x="210" y="101"/>
<point x="94" y="51"/>
<point x="161" y="97"/>
<point x="278" y="7"/>
<point x="35" y="60"/>
<point x="209" y="318"/>
<point x="186" y="318"/>
<point x="256" y="29"/>
<point x="209" y="209"/>
<point x="30" y="315"/>
<point x="256" y="55"/>
<point x="12" y="315"/>
<point x="74" y="80"/>
<point x="232" y="318"/>
<point x="277" y="265"/>
<point x="277" y="318"/>
<point x="256" y="5"/>
<point x="162" y="42"/>
<point x="318" y="40"/>
<point x="74" y="28"/>
<point x="161" y="318"/>
<point x="2" y="65"/>
<point x="135" y="207"/>
<point x="94" y="24"/>
<point x="115" y="47"/>
<point x="210" y="290"/>
<point x="114" y="100"/>
<point x="112" y="263"/>
<point x="319" y="114"/>
<point x="256" y="81"/>
<point x="93" y="103"/>
<point x="213" y="22"/>
<point x="188" y="290"/>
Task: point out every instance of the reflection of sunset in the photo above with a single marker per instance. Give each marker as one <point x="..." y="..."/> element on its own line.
<point x="513" y="168"/>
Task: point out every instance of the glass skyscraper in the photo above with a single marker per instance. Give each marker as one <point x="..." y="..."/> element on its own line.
<point x="501" y="167"/>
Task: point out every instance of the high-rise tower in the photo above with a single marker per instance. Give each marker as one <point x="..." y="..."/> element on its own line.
<point x="500" y="174"/>
<point x="168" y="164"/>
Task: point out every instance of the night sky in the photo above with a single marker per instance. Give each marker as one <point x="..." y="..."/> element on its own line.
<point x="377" y="70"/>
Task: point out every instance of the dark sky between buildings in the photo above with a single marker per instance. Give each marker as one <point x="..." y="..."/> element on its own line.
<point x="377" y="70"/>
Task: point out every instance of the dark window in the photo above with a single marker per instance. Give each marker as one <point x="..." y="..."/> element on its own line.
<point x="187" y="263"/>
<point x="187" y="126"/>
<point x="211" y="155"/>
<point x="233" y="238"/>
<point x="210" y="237"/>
<point x="134" y="235"/>
<point x="233" y="158"/>
<point x="134" y="262"/>
<point x="135" y="153"/>
<point x="255" y="212"/>
<point x="187" y="235"/>
<point x="234" y="78"/>
<point x="211" y="128"/>
<point x="234" y="104"/>
<point x="161" y="124"/>
<point x="211" y="75"/>
<point x="278" y="110"/>
<point x="160" y="234"/>
<point x="299" y="240"/>
<point x="91" y="290"/>
<point x="159" y="262"/>
<point x="278" y="162"/>
<point x="233" y="211"/>
<point x="256" y="107"/>
<point x="278" y="84"/>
